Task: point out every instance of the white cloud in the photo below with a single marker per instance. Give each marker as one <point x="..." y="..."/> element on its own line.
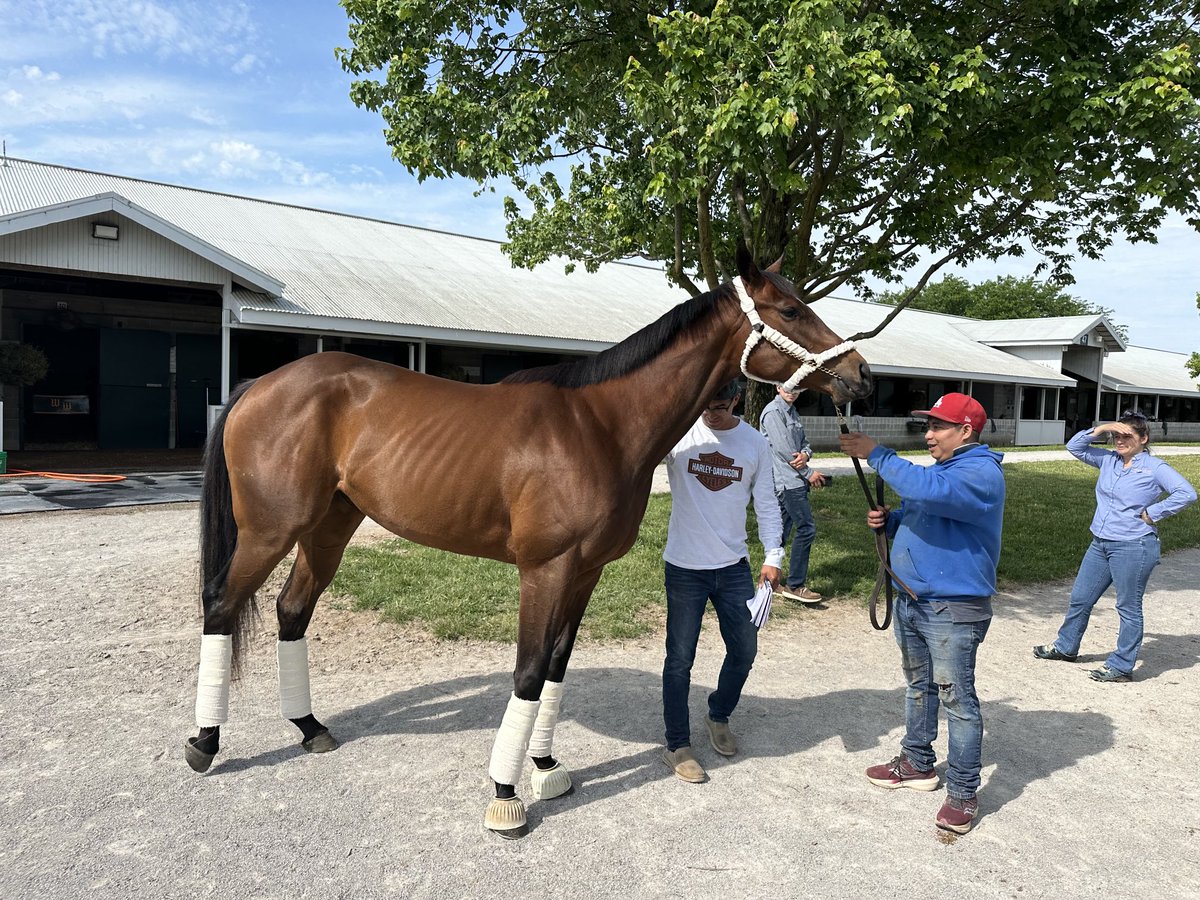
<point x="34" y="73"/>
<point x="245" y="64"/>
<point x="205" y="116"/>
<point x="11" y="97"/>
<point x="185" y="29"/>
<point x="100" y="98"/>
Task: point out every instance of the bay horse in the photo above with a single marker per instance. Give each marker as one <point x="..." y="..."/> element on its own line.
<point x="559" y="486"/>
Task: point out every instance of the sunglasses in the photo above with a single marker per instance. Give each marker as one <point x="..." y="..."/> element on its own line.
<point x="1133" y="414"/>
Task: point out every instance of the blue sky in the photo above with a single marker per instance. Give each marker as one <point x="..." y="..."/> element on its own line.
<point x="249" y="99"/>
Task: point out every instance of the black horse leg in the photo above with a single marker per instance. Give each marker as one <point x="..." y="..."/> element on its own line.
<point x="318" y="555"/>
<point x="555" y="674"/>
<point x="550" y="779"/>
<point x="201" y="749"/>
<point x="226" y="600"/>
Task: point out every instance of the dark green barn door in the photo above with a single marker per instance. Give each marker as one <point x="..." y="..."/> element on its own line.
<point x="135" y="399"/>
<point x="197" y="384"/>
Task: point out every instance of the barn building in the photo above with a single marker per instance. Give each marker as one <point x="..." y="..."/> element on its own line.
<point x="151" y="300"/>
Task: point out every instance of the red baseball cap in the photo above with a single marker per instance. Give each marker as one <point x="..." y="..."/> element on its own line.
<point x="957" y="408"/>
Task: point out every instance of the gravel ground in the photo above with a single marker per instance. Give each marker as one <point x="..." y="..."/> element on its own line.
<point x="1087" y="790"/>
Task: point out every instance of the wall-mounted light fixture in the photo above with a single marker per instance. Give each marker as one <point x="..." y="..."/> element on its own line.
<point x="105" y="232"/>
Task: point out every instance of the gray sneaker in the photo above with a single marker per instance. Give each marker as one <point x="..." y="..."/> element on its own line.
<point x="722" y="738"/>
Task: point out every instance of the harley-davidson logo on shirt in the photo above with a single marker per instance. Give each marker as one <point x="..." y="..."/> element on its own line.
<point x="715" y="471"/>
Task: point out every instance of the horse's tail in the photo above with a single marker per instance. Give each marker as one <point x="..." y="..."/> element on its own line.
<point x="218" y="528"/>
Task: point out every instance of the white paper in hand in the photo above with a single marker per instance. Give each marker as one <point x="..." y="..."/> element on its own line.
<point x="760" y="604"/>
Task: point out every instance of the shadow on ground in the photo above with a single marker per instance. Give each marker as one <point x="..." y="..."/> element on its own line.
<point x="1024" y="745"/>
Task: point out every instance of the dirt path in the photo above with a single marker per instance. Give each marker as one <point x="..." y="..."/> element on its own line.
<point x="1088" y="789"/>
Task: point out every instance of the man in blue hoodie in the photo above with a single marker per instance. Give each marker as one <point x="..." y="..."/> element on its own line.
<point x="947" y="544"/>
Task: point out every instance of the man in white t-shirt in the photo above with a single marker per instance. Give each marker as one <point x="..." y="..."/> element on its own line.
<point x="715" y="470"/>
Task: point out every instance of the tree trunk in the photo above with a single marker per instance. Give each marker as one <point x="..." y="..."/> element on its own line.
<point x="758" y="395"/>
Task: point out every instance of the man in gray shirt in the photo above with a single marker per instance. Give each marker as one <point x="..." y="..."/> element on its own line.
<point x="790" y="454"/>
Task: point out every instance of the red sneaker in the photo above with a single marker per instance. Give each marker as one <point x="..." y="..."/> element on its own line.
<point x="956" y="815"/>
<point x="900" y="773"/>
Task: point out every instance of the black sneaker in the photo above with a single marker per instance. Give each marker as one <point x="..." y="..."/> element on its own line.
<point x="1104" y="673"/>
<point x="1049" y="651"/>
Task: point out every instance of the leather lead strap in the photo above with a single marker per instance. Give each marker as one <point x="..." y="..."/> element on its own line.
<point x="884" y="576"/>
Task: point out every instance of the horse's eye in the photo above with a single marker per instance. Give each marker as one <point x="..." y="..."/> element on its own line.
<point x="789" y="312"/>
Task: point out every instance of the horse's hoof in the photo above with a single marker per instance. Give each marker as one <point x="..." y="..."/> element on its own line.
<point x="512" y="834"/>
<point x="197" y="758"/>
<point x="320" y="743"/>
<point x="506" y="818"/>
<point x="546" y="784"/>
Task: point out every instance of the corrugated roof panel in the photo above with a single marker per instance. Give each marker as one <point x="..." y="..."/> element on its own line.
<point x="920" y="340"/>
<point x="1143" y="370"/>
<point x="1048" y="330"/>
<point x="338" y="266"/>
<point x="346" y="267"/>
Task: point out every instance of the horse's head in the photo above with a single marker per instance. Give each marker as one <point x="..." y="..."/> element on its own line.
<point x="793" y="344"/>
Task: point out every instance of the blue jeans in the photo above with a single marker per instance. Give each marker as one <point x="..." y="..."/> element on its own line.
<point x="938" y="656"/>
<point x="1128" y="565"/>
<point x="688" y="592"/>
<point x="796" y="511"/>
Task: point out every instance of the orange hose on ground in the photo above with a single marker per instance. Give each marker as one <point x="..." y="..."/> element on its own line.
<point x="62" y="476"/>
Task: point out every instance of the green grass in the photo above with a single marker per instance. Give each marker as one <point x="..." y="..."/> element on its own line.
<point x="1049" y="508"/>
<point x="1016" y="451"/>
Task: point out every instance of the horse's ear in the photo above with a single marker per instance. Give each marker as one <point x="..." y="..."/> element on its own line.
<point x="747" y="267"/>
<point x="777" y="266"/>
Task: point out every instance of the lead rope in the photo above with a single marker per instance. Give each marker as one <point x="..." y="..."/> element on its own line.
<point x="884" y="576"/>
<point x="815" y="362"/>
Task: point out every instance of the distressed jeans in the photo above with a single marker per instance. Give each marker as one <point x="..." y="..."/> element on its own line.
<point x="797" y="512"/>
<point x="1128" y="565"/>
<point x="688" y="593"/>
<point x="938" y="656"/>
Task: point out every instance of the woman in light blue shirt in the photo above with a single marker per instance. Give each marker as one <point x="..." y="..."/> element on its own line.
<point x="1124" y="548"/>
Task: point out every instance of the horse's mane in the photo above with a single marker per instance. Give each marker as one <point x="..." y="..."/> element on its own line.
<point x="632" y="353"/>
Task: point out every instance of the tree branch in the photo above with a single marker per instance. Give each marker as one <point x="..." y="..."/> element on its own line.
<point x="708" y="265"/>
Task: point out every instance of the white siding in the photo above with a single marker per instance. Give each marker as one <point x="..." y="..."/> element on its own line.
<point x="1085" y="361"/>
<point x="139" y="252"/>
<point x="1050" y="357"/>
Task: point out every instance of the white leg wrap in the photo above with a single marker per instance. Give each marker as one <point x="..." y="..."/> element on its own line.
<point x="295" y="701"/>
<point x="512" y="740"/>
<point x="547" y="718"/>
<point x="212" y="689"/>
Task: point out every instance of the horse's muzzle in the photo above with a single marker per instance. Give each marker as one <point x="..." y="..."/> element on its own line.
<point x="853" y="380"/>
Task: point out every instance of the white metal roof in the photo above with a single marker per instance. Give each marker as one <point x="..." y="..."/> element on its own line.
<point x="347" y="268"/>
<point x="1141" y="370"/>
<point x="113" y="202"/>
<point x="1041" y="332"/>
<point x="930" y="345"/>
<point x="337" y="272"/>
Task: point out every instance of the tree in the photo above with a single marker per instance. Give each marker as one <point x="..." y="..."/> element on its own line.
<point x="860" y="138"/>
<point x="1006" y="297"/>
<point x="21" y="364"/>
<point x="1193" y="363"/>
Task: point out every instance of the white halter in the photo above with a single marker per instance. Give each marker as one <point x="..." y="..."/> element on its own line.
<point x="759" y="330"/>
